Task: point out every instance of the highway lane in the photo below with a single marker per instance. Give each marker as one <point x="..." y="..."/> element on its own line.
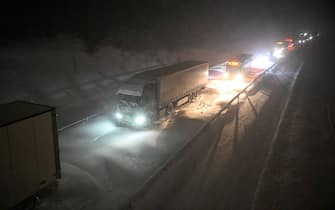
<point x="300" y="173"/>
<point x="222" y="167"/>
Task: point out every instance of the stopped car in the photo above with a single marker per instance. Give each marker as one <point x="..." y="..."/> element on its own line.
<point x="235" y="67"/>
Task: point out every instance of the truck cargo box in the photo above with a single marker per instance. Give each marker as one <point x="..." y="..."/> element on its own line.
<point x="29" y="156"/>
<point x="152" y="91"/>
<point x="175" y="81"/>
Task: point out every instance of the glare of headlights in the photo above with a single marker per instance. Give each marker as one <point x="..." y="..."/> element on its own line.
<point x="225" y="75"/>
<point x="278" y="53"/>
<point x="261" y="62"/>
<point x="140" y="119"/>
<point x="239" y="77"/>
<point x="118" y="115"/>
<point x="299" y="41"/>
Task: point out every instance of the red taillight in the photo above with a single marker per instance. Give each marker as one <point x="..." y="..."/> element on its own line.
<point x="289" y="39"/>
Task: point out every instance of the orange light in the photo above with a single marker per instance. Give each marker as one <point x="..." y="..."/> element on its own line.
<point x="233" y="63"/>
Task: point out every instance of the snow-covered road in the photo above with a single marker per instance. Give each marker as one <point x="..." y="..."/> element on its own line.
<point x="104" y="165"/>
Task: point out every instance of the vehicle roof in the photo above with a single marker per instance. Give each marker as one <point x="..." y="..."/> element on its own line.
<point x="241" y="57"/>
<point x="130" y="89"/>
<point x="163" y="71"/>
<point x="20" y="110"/>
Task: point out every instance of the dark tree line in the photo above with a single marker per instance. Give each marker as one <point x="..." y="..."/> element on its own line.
<point x="147" y="23"/>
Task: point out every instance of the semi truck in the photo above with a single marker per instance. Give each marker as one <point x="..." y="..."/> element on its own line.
<point x="147" y="96"/>
<point x="29" y="151"/>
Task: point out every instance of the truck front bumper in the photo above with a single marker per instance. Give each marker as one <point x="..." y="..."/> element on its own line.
<point x="134" y="120"/>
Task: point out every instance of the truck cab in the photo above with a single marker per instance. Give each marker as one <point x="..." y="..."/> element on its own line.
<point x="136" y="105"/>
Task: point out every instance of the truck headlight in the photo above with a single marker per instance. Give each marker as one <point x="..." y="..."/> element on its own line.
<point x="140" y="119"/>
<point x="118" y="115"/>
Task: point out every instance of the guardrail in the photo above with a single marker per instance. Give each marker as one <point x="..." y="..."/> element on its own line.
<point x="145" y="186"/>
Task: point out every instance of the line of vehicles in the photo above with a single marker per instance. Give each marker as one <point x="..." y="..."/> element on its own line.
<point x="281" y="48"/>
<point x="150" y="95"/>
<point x="306" y="37"/>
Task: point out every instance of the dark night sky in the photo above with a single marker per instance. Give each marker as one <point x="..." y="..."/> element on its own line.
<point x="93" y="21"/>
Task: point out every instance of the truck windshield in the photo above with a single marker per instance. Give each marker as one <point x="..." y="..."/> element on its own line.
<point x="130" y="98"/>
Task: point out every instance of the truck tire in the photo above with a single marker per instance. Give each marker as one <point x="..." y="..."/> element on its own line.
<point x="170" y="109"/>
<point x="190" y="97"/>
<point x="196" y="93"/>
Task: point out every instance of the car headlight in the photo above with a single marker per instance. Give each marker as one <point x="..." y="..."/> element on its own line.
<point x="140" y="119"/>
<point x="118" y="116"/>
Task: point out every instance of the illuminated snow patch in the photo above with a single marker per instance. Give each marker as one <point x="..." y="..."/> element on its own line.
<point x="261" y="62"/>
<point x="134" y="140"/>
<point x="99" y="127"/>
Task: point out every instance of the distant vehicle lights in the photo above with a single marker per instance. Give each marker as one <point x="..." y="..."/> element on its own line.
<point x="306" y="37"/>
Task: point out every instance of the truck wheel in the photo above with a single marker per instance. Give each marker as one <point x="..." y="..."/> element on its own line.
<point x="170" y="109"/>
<point x="190" y="97"/>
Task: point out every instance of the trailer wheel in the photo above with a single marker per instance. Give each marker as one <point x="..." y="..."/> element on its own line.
<point x="170" y="109"/>
<point x="190" y="97"/>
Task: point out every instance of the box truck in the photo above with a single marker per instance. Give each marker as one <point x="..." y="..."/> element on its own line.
<point x="147" y="96"/>
<point x="29" y="154"/>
